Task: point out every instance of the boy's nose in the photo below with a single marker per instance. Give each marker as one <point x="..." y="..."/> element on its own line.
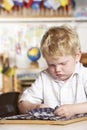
<point x="58" y="68"/>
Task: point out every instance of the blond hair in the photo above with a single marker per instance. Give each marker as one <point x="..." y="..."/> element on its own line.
<point x="60" y="41"/>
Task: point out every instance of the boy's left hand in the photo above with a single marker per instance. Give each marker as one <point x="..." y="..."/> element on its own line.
<point x="67" y="110"/>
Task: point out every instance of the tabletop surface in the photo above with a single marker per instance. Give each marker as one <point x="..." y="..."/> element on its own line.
<point x="74" y="126"/>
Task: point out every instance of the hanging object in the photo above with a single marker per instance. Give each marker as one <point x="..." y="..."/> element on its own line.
<point x="8" y="4"/>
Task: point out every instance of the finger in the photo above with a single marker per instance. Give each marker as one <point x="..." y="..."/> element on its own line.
<point x="58" y="110"/>
<point x="59" y="113"/>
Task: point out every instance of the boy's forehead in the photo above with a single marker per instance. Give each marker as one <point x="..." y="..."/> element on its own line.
<point x="59" y="59"/>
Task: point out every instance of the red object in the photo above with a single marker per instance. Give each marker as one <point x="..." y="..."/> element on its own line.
<point x="28" y="3"/>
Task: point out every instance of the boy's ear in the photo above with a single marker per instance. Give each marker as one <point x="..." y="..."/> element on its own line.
<point x="78" y="56"/>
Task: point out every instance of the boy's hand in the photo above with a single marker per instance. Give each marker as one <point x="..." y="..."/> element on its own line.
<point x="42" y="106"/>
<point x="67" y="110"/>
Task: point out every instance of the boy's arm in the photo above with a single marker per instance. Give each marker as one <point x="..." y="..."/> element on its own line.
<point x="24" y="106"/>
<point x="69" y="110"/>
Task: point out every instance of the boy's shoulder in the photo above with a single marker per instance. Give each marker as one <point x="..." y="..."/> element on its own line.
<point x="82" y="70"/>
<point x="44" y="71"/>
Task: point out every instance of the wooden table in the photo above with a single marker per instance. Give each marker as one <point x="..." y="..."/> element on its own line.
<point x="74" y="126"/>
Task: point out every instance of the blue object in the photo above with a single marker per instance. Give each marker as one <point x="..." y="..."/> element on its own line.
<point x="34" y="53"/>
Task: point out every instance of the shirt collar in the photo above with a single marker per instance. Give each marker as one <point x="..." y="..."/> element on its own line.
<point x="77" y="68"/>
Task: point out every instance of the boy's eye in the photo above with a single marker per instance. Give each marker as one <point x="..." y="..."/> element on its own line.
<point x="63" y="63"/>
<point x="51" y="65"/>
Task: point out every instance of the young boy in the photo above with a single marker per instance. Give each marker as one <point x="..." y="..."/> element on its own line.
<point x="64" y="82"/>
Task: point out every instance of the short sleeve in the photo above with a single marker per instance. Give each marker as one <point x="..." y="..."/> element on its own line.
<point x="86" y="88"/>
<point x="34" y="93"/>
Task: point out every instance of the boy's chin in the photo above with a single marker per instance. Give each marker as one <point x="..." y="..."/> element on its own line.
<point x="61" y="78"/>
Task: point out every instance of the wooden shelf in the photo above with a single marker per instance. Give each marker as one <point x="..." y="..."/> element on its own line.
<point x="42" y="19"/>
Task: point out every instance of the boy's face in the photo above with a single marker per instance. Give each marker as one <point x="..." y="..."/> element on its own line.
<point x="62" y="67"/>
